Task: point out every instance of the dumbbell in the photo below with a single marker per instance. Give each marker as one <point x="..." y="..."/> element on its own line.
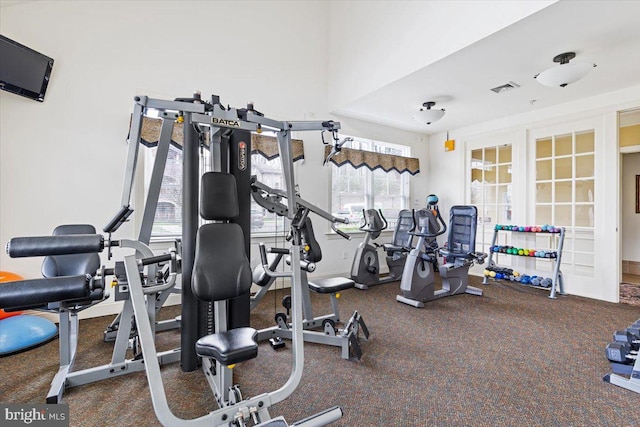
<point x="620" y="352"/>
<point x="627" y="337"/>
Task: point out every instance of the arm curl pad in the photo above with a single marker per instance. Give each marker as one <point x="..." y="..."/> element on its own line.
<point x="19" y="247"/>
<point x="37" y="292"/>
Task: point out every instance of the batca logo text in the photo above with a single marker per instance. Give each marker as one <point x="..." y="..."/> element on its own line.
<point x="225" y="122"/>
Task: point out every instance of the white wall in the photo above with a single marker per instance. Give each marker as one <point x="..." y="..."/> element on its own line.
<point x="374" y="43"/>
<point x="62" y="161"/>
<point x="630" y="219"/>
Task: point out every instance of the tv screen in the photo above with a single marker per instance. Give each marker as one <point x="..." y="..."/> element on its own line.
<point x="23" y="71"/>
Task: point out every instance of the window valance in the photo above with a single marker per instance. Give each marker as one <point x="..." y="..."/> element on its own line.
<point x="373" y="160"/>
<point x="264" y="145"/>
<point x="267" y="146"/>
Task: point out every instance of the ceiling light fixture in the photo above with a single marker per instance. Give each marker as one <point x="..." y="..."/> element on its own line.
<point x="565" y="73"/>
<point x="427" y="115"/>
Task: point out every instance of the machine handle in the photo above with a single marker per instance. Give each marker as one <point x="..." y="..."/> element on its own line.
<point x="441" y="231"/>
<point x="364" y="216"/>
<point x="265" y="263"/>
<point x="282" y="251"/>
<point x="370" y="227"/>
<point x="340" y="220"/>
<point x="171" y="277"/>
<point x="340" y="232"/>
<point x="263" y="255"/>
<point x="386" y="224"/>
<point x="156" y="259"/>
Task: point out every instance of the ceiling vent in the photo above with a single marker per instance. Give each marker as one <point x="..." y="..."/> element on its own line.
<point x="505" y="87"/>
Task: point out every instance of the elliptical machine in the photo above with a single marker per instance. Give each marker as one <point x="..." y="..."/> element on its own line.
<point x="418" y="284"/>
<point x="365" y="269"/>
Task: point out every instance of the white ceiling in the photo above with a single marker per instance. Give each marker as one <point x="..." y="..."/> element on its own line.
<point x="606" y="33"/>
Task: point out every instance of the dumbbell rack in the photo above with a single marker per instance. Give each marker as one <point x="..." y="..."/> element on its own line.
<point x="557" y="285"/>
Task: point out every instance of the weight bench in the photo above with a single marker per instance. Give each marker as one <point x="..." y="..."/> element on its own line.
<point x="332" y="286"/>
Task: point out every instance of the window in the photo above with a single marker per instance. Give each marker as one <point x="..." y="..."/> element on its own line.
<point x="565" y="197"/>
<point x="269" y="172"/>
<point x="353" y="190"/>
<point x="491" y="169"/>
<point x="168" y="218"/>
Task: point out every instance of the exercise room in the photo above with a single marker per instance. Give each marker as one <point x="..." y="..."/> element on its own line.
<point x="326" y="212"/>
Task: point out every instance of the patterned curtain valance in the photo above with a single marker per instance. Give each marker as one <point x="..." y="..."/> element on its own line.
<point x="267" y="146"/>
<point x="264" y="145"/>
<point x="150" y="132"/>
<point x="373" y="161"/>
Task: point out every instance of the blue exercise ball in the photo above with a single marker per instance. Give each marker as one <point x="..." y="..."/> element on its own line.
<point x="20" y="333"/>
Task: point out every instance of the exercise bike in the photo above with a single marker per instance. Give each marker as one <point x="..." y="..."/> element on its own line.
<point x="418" y="284"/>
<point x="365" y="269"/>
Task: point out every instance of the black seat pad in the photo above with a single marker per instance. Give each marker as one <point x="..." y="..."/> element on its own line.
<point x="331" y="285"/>
<point x="229" y="347"/>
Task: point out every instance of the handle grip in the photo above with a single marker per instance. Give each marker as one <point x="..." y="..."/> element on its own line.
<point x="340" y="232"/>
<point x="282" y="251"/>
<point x="265" y="263"/>
<point x="156" y="259"/>
<point x="263" y="255"/>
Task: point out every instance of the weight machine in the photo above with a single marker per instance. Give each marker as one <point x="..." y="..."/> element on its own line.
<point x="346" y="338"/>
<point x="143" y="279"/>
<point x="229" y="146"/>
<point x="68" y="295"/>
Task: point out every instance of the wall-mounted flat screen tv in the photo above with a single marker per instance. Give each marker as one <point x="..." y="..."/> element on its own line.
<point x="23" y="71"/>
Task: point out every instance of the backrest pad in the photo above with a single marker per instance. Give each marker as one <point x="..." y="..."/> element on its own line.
<point x="74" y="264"/>
<point x="405" y="224"/>
<point x="312" y="252"/>
<point x="218" y="196"/>
<point x="427" y="223"/>
<point x="462" y="230"/>
<point x="221" y="269"/>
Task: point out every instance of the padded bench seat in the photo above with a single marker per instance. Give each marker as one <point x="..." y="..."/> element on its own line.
<point x="33" y="293"/>
<point x="331" y="285"/>
<point x="229" y="347"/>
